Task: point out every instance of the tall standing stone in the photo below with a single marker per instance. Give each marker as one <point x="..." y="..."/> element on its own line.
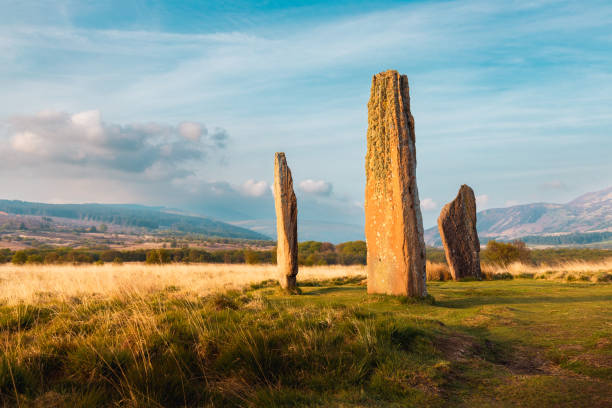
<point x="286" y="223"/>
<point x="394" y="227"/>
<point x="457" y="225"/>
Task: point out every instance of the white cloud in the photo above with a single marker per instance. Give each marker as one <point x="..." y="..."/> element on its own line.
<point x="254" y="188"/>
<point x="318" y="187"/>
<point x="192" y="131"/>
<point x="88" y="123"/>
<point x="84" y="142"/>
<point x="428" y="204"/>
<point x="27" y="142"/>
<point x="482" y="201"/>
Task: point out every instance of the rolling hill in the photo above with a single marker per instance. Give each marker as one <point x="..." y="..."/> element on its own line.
<point x="584" y="220"/>
<point x="132" y="216"/>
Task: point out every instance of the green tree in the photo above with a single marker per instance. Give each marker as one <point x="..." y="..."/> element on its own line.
<point x="352" y="252"/>
<point x="503" y="253"/>
<point x="20" y="257"/>
<point x="35" y="259"/>
<point x="52" y="258"/>
<point x="251" y="257"/>
<point x="109" y="255"/>
<point x="158" y="256"/>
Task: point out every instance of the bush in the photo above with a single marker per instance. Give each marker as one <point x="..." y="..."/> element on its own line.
<point x="110" y="255"/>
<point x="35" y="259"/>
<point x="5" y="255"/>
<point x="317" y="253"/>
<point x="52" y="258"/>
<point x="251" y="257"/>
<point x="158" y="256"/>
<point x="504" y="254"/>
<point x="438" y="272"/>
<point x="352" y="252"/>
<point x="20" y="258"/>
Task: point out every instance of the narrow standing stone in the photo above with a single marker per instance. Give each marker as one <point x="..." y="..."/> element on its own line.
<point x="457" y="226"/>
<point x="286" y="223"/>
<point x="394" y="227"/>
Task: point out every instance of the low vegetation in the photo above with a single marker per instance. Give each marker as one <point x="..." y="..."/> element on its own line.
<point x="310" y="253"/>
<point x="29" y="283"/>
<point x="568" y="271"/>
<point x="478" y="344"/>
<point x="569" y="239"/>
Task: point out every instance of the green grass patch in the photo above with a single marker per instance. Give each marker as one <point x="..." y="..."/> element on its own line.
<point x="521" y="342"/>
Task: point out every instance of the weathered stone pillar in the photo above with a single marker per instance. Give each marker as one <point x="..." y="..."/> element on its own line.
<point x="457" y="226"/>
<point x="394" y="227"/>
<point x="286" y="223"/>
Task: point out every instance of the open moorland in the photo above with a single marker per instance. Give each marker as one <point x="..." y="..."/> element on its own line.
<point x="226" y="335"/>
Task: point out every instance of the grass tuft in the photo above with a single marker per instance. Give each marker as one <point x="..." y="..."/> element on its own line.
<point x="476" y="344"/>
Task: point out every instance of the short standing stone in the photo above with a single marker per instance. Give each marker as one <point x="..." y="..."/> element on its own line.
<point x="457" y="225"/>
<point x="394" y="227"/>
<point x="286" y="223"/>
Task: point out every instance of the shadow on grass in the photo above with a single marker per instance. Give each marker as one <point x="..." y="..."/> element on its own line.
<point x="332" y="289"/>
<point x="479" y="300"/>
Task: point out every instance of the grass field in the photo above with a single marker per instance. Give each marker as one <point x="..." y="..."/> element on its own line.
<point x="32" y="283"/>
<point x="163" y="341"/>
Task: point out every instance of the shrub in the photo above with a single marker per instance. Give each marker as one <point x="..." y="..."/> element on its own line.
<point x="5" y="255"/>
<point x="52" y="258"/>
<point x="110" y="255"/>
<point x="20" y="258"/>
<point x="158" y="256"/>
<point x="35" y="259"/>
<point x="438" y="272"/>
<point x="251" y="257"/>
<point x="352" y="252"/>
<point x="504" y="254"/>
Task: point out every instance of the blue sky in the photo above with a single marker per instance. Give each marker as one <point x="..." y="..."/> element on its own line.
<point x="183" y="104"/>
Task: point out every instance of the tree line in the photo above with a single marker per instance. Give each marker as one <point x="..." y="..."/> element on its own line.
<point x="309" y="253"/>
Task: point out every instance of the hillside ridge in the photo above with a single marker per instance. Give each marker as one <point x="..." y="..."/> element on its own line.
<point x="582" y="217"/>
<point x="131" y="215"/>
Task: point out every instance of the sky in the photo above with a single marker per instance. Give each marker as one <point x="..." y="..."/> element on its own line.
<point x="183" y="104"/>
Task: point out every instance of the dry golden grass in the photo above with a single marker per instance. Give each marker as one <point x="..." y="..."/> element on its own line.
<point x="438" y="272"/>
<point x="567" y="271"/>
<point x="30" y="283"/>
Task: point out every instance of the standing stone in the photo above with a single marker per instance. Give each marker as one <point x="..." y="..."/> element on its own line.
<point x="457" y="225"/>
<point x="286" y="223"/>
<point x="394" y="227"/>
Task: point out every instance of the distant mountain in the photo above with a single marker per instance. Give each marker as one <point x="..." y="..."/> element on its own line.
<point x="136" y="216"/>
<point x="586" y="219"/>
<point x="309" y="230"/>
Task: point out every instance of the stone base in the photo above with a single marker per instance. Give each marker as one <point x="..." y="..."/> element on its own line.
<point x="288" y="282"/>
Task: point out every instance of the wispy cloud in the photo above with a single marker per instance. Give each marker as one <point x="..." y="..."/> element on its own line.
<point x="255" y="188"/>
<point x="85" y="142"/>
<point x="428" y="204"/>
<point x="319" y="187"/>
